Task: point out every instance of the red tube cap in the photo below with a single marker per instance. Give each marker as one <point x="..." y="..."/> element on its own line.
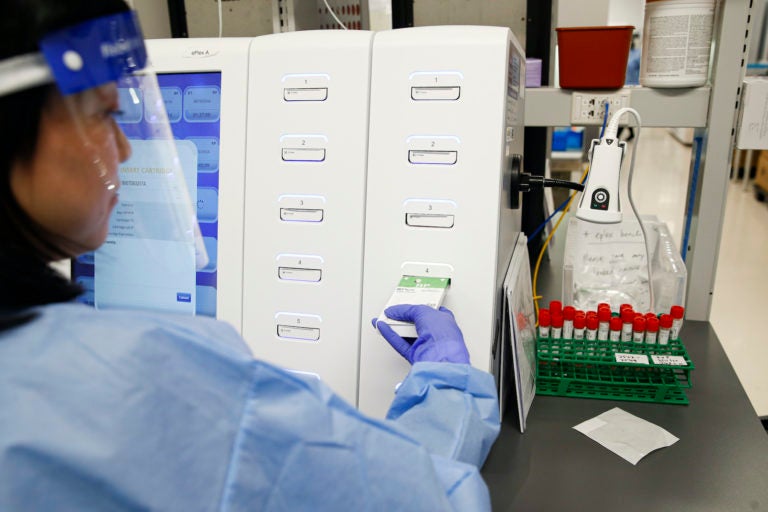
<point x="544" y="318"/>
<point x="677" y="312"/>
<point x="591" y="323"/>
<point x="569" y="312"/>
<point x="627" y="316"/>
<point x="665" y="321"/>
<point x="579" y="321"/>
<point x="603" y="305"/>
<point x="639" y="324"/>
<point x="615" y="323"/>
<point x="555" y="306"/>
<point x="604" y="315"/>
<point x="557" y="319"/>
<point x="652" y="324"/>
<point x="625" y="306"/>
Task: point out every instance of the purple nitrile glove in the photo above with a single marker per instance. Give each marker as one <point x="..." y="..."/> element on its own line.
<point x="440" y="339"/>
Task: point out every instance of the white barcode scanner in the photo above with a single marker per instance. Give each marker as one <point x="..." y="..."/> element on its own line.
<point x="600" y="201"/>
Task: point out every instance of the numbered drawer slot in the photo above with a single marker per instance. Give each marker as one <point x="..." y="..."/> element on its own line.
<point x="297" y="326"/>
<point x="435" y="93"/>
<point x="436" y="85"/>
<point x="300" y="268"/>
<point x="433" y="149"/>
<point x="305" y="87"/>
<point x="301" y="215"/>
<point x="430" y="269"/>
<point x="301" y="208"/>
<point x="305" y="93"/>
<point x="303" y="148"/>
<point x="432" y="157"/>
<point x="424" y="220"/>
<point x="430" y="213"/>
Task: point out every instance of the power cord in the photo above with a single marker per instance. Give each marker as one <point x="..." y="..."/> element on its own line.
<point x="613" y="129"/>
<point x="529" y="181"/>
<point x="544" y="247"/>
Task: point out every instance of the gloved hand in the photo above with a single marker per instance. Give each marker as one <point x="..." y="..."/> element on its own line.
<point x="440" y="339"/>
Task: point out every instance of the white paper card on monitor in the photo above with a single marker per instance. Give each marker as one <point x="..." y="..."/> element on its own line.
<point x="418" y="290"/>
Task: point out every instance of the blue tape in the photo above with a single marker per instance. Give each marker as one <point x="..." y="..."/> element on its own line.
<point x="95" y="52"/>
<point x="699" y="141"/>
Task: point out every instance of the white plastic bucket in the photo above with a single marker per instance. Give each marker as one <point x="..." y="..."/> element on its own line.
<point x="677" y="40"/>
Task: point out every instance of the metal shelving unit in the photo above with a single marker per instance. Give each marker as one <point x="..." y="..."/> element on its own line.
<point x="712" y="111"/>
<point x="551" y="106"/>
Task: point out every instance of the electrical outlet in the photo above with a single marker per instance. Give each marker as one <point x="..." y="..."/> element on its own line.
<point x="589" y="108"/>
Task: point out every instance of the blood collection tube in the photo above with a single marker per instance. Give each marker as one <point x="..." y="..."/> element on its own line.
<point x="544" y="323"/>
<point x="638" y="330"/>
<point x="677" y="313"/>
<point x="665" y="326"/>
<point x="651" y="329"/>
<point x="555" y="306"/>
<point x="569" y="313"/>
<point x="557" y="326"/>
<point x="627" y="317"/>
<point x="615" y="333"/>
<point x="592" y="325"/>
<point x="604" y="319"/>
<point x="579" y="323"/>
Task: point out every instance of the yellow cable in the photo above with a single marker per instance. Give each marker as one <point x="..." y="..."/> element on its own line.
<point x="536" y="297"/>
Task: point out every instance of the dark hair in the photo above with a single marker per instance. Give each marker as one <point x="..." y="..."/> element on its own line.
<point x="26" y="248"/>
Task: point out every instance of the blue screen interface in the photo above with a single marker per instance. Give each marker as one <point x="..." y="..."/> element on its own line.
<point x="193" y="104"/>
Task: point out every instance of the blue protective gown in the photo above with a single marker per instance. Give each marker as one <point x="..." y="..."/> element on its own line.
<point x="115" y="410"/>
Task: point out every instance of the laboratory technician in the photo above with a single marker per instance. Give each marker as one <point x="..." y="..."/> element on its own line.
<point x="124" y="410"/>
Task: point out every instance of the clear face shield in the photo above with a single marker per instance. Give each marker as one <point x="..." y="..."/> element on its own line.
<point x="116" y="108"/>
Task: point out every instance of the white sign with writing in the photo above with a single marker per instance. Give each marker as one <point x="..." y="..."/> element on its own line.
<point x="609" y="260"/>
<point x="669" y="360"/>
<point x="632" y="358"/>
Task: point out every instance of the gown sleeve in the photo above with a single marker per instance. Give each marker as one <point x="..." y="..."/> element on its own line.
<point x="122" y="411"/>
<point x="300" y="447"/>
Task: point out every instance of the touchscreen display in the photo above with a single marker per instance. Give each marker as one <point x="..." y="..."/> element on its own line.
<point x="193" y="103"/>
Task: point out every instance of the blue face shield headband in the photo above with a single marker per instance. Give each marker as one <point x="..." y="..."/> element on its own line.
<point x="81" y="57"/>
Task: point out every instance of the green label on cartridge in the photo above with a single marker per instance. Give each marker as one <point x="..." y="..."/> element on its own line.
<point x="424" y="282"/>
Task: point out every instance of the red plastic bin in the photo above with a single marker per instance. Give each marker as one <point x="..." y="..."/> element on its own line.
<point x="593" y="57"/>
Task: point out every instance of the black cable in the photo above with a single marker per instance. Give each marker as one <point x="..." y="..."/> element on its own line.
<point x="553" y="182"/>
<point x="529" y="181"/>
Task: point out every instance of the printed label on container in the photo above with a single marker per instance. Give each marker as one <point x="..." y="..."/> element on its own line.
<point x="669" y="360"/>
<point x="632" y="358"/>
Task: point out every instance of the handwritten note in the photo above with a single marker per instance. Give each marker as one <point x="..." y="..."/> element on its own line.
<point x="611" y="249"/>
<point x="669" y="360"/>
<point x="632" y="358"/>
<point x="608" y="261"/>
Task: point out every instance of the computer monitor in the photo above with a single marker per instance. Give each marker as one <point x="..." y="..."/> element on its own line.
<point x="204" y="85"/>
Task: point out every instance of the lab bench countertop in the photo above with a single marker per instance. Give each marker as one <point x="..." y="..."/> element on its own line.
<point x="719" y="464"/>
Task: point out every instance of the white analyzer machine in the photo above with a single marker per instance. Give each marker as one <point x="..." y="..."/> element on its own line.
<point x="446" y="128"/>
<point x="305" y="202"/>
<point x="339" y="161"/>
